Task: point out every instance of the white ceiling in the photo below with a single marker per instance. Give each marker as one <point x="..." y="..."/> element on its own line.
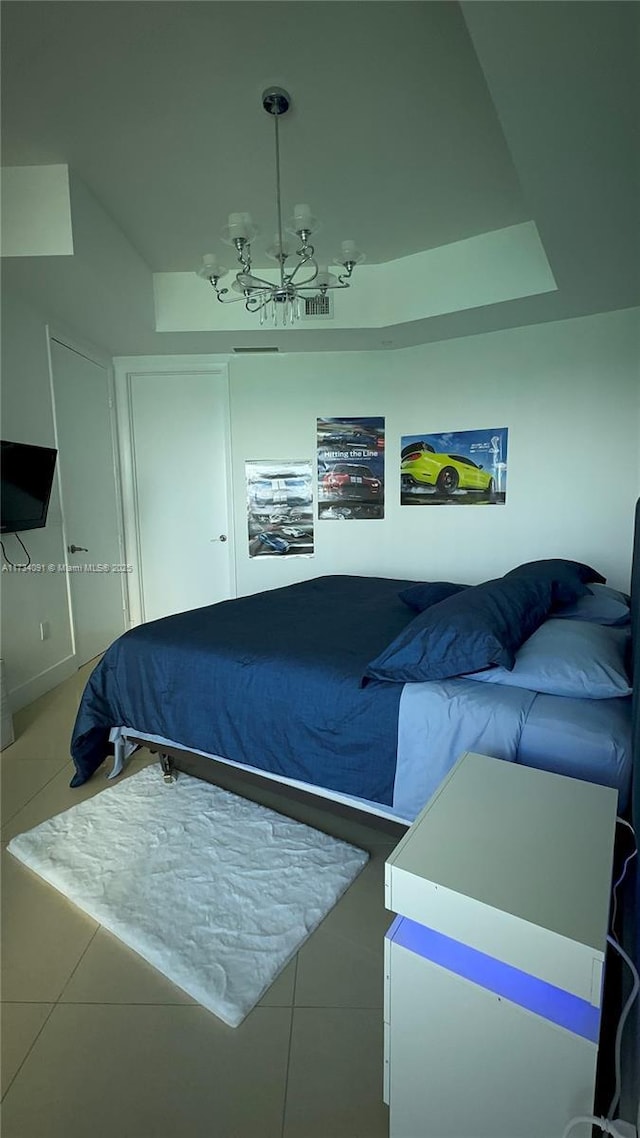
<point x="414" y="124"/>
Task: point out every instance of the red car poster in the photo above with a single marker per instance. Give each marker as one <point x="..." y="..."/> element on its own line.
<point x="350" y="468"/>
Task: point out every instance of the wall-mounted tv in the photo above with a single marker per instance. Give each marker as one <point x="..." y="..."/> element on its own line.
<point x="26" y="477"/>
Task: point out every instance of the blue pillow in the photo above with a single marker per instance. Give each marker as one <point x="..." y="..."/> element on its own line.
<point x="569" y="578"/>
<point x="602" y="605"/>
<point x="478" y="627"/>
<point x="426" y="593"/>
<point x="571" y="658"/>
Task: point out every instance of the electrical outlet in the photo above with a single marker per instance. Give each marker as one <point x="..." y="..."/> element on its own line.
<point x="45" y="630"/>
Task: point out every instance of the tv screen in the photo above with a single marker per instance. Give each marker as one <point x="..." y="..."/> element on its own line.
<point x="26" y="477"/>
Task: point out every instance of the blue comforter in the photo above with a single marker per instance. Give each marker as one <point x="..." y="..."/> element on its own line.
<point x="272" y="680"/>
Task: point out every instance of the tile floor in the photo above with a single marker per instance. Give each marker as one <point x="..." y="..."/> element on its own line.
<point x="95" y="1042"/>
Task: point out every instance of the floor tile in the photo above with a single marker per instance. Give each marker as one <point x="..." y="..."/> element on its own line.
<point x="21" y="781"/>
<point x="58" y="796"/>
<point x="151" y="1072"/>
<point x="21" y="1024"/>
<point x="43" y="728"/>
<point x="361" y="909"/>
<point x="280" y="993"/>
<point x="43" y="936"/>
<point x="341" y="965"/>
<point x="335" y="972"/>
<point x="334" y="1088"/>
<point x="112" y="973"/>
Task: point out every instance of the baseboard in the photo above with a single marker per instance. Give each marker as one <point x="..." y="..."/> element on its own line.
<point x="38" y="685"/>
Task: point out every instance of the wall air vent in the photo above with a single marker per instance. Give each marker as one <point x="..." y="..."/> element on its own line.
<point x="245" y="350"/>
<point x="317" y="306"/>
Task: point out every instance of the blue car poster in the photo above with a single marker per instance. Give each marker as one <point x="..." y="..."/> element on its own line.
<point x="279" y="508"/>
<point x="459" y="468"/>
<point x="350" y="468"/>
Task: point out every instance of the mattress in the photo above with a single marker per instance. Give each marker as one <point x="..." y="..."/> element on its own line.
<point x="578" y="738"/>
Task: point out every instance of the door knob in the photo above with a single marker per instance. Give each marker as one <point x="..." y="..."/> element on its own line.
<point x="223" y="537"/>
<point x="76" y="549"/>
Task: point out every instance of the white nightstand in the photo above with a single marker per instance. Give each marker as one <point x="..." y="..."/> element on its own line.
<point x="494" y="966"/>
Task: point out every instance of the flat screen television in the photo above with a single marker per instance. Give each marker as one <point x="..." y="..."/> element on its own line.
<point x="26" y="476"/>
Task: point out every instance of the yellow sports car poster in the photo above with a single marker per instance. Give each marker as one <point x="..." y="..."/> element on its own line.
<point x="459" y="468"/>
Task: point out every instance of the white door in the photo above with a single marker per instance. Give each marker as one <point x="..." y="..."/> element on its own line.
<point x="179" y="430"/>
<point x="89" y="500"/>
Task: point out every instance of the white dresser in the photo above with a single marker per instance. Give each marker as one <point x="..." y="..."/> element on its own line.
<point x="494" y="965"/>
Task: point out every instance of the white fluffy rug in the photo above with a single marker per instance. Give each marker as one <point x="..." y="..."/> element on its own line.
<point x="216" y="892"/>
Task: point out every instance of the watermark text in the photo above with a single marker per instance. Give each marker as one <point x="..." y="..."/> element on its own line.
<point x="53" y="567"/>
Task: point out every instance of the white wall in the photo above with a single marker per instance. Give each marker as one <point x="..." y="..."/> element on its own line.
<point x="103" y="292"/>
<point x="569" y="393"/>
<point x="32" y="665"/>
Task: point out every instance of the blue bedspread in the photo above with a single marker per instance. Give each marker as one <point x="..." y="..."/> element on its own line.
<point x="272" y="680"/>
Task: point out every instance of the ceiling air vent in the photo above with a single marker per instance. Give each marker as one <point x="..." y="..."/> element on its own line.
<point x="317" y="306"/>
<point x="245" y="350"/>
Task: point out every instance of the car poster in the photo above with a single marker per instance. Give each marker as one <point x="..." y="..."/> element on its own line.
<point x="459" y="468"/>
<point x="280" y="508"/>
<point x="350" y="468"/>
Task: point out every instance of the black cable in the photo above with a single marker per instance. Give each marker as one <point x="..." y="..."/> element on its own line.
<point x="12" y="563"/>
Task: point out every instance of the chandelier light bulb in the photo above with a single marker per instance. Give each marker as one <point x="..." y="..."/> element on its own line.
<point x="237" y="225"/>
<point x="302" y="216"/>
<point x="211" y="268"/>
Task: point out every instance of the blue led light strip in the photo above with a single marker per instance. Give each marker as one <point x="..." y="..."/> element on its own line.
<point x="538" y="996"/>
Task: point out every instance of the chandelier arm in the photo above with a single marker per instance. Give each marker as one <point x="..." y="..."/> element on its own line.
<point x="253" y="303"/>
<point x="305" y="261"/>
<point x="262" y="283"/>
<point x="244" y="255"/>
<point x="226" y="299"/>
<point x="343" y="277"/>
<point x="221" y="293"/>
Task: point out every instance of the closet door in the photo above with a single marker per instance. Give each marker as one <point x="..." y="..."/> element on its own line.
<point x="90" y="500"/>
<point x="179" y="432"/>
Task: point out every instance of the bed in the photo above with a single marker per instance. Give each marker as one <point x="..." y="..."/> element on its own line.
<point x="319" y="685"/>
<point x="295" y="687"/>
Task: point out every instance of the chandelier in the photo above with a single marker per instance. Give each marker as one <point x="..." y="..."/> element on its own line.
<point x="279" y="302"/>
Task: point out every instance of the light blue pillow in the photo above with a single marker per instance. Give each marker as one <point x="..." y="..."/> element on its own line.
<point x="602" y="605"/>
<point x="568" y="657"/>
